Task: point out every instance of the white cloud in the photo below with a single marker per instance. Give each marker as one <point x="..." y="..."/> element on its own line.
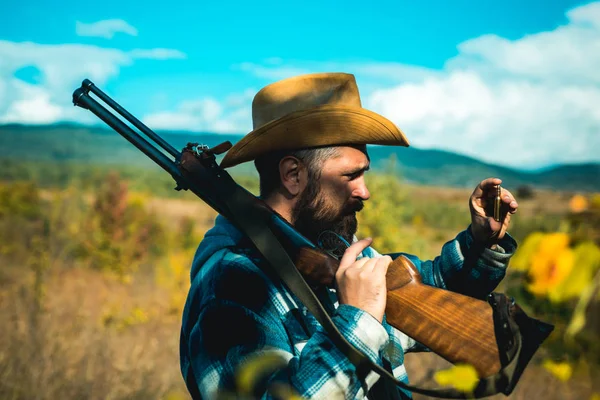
<point x="105" y="29"/>
<point x="157" y="54"/>
<point x="527" y="102"/>
<point x="62" y="68"/>
<point x="233" y="115"/>
<point x="34" y="106"/>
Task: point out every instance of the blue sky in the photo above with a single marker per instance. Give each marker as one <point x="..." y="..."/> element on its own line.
<point x="452" y="74"/>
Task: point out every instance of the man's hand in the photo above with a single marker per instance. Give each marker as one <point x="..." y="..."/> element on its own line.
<point x="484" y="228"/>
<point x="362" y="283"/>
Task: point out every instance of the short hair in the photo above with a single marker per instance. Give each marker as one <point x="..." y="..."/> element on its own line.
<point x="268" y="166"/>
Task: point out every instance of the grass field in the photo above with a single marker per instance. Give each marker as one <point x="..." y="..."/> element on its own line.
<point x="92" y="284"/>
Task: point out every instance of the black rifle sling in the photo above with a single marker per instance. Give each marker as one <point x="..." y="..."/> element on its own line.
<point x="255" y="225"/>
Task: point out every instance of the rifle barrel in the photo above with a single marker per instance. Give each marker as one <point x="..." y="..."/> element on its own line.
<point x="82" y="99"/>
<point x="88" y="85"/>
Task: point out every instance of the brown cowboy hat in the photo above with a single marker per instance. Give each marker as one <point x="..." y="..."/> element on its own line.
<point x="311" y="111"/>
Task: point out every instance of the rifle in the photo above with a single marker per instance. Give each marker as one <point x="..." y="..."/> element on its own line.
<point x="495" y="336"/>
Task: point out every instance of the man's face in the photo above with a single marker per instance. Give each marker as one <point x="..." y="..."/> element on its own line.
<point x="331" y="203"/>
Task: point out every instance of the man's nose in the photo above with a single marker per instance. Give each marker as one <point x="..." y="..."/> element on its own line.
<point x="361" y="191"/>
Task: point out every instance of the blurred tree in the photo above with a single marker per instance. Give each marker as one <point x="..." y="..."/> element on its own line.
<point x="119" y="233"/>
<point x="524" y="192"/>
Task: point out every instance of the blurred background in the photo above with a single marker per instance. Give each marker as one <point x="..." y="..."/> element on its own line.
<point x="96" y="245"/>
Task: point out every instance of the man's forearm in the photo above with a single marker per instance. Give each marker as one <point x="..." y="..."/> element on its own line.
<point x="474" y="268"/>
<point x="467" y="267"/>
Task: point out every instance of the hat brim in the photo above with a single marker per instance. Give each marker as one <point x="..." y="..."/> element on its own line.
<point x="319" y="126"/>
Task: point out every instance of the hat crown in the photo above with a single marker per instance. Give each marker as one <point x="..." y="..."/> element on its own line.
<point x="302" y="93"/>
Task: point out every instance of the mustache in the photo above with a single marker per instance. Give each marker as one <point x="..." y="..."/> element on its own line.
<point x="355" y="206"/>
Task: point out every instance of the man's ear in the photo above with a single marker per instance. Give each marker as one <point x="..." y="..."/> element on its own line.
<point x="293" y="176"/>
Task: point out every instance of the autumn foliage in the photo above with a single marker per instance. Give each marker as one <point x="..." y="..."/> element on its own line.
<point x="93" y="280"/>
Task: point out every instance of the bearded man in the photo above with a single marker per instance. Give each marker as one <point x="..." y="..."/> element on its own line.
<point x="309" y="147"/>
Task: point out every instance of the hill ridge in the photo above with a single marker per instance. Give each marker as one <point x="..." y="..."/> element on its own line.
<point x="74" y="142"/>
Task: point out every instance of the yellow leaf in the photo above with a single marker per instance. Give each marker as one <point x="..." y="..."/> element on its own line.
<point x="551" y="264"/>
<point x="561" y="370"/>
<point x="578" y="203"/>
<point x="139" y="315"/>
<point x="176" y="395"/>
<point x="595" y="201"/>
<point x="256" y="367"/>
<point x="578" y="320"/>
<point x="418" y="220"/>
<point x="281" y="391"/>
<point x="462" y="377"/>
<point x="595" y="396"/>
<point x="587" y="260"/>
<point x="522" y="258"/>
<point x="576" y="325"/>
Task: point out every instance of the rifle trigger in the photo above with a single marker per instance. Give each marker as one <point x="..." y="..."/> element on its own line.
<point x="198" y="149"/>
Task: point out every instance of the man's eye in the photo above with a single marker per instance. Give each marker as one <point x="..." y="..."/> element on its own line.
<point x="354" y="175"/>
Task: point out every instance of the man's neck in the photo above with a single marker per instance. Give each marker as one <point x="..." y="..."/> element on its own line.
<point x="281" y="205"/>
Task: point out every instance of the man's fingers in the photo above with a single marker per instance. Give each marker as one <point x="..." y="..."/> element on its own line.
<point x="510" y="200"/>
<point x="383" y="263"/>
<point x="375" y="263"/>
<point x="489" y="183"/>
<point x="359" y="264"/>
<point x="486" y="185"/>
<point x="364" y="268"/>
<point x="353" y="251"/>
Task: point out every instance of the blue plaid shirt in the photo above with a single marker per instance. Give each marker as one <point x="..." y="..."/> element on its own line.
<point x="234" y="310"/>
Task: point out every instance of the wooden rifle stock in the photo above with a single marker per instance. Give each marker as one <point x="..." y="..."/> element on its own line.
<point x="458" y="328"/>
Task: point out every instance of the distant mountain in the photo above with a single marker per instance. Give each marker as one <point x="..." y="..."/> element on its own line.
<point x="75" y="143"/>
<point x="437" y="167"/>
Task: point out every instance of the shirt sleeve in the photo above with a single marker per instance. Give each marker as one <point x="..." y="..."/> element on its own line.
<point x="233" y="325"/>
<point x="465" y="267"/>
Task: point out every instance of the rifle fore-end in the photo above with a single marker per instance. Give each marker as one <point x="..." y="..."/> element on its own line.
<point x="458" y="328"/>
